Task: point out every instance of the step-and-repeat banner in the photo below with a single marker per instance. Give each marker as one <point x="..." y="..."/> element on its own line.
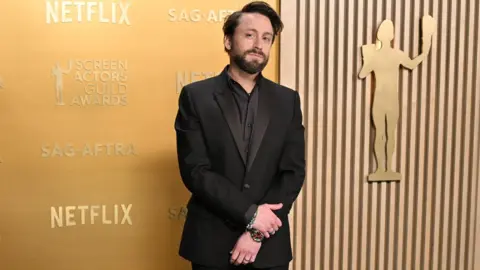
<point x="88" y="96"/>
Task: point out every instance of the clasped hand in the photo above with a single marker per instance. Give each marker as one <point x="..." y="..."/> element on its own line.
<point x="246" y="249"/>
<point x="266" y="221"/>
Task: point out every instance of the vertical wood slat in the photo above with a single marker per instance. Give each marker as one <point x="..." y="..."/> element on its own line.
<point x="421" y="151"/>
<point x="438" y="147"/>
<point x="462" y="114"/>
<point x="288" y="78"/>
<point x="429" y="192"/>
<point x="469" y="127"/>
<point x="475" y="251"/>
<point x="337" y="151"/>
<point x="403" y="30"/>
<point x="349" y="108"/>
<point x="320" y="204"/>
<point x="430" y="219"/>
<point x="310" y="85"/>
<point x="474" y="247"/>
<point x="329" y="136"/>
<point x="300" y="85"/>
<point x="357" y="85"/>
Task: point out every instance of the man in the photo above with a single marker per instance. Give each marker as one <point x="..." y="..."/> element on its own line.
<point x="240" y="146"/>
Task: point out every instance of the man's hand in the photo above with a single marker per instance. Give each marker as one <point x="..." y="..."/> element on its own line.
<point x="245" y="250"/>
<point x="266" y="221"/>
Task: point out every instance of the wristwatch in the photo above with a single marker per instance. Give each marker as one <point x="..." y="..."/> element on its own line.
<point x="256" y="235"/>
<point x="250" y="224"/>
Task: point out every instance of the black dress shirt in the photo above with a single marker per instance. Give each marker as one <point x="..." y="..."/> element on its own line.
<point x="247" y="104"/>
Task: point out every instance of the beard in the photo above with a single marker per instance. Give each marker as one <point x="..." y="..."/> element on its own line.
<point x="250" y="67"/>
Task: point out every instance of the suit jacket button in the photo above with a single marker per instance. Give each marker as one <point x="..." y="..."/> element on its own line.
<point x="246" y="186"/>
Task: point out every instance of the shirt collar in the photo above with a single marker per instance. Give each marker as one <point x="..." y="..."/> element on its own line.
<point x="227" y="76"/>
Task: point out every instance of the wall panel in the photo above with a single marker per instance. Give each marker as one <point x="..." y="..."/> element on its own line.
<point x="428" y="219"/>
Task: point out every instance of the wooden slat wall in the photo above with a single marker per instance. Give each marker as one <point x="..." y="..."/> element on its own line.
<point x="428" y="220"/>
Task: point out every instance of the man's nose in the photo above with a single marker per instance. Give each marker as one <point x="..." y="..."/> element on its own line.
<point x="258" y="44"/>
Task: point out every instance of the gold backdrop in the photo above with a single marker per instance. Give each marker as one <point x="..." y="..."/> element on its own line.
<point x="88" y="170"/>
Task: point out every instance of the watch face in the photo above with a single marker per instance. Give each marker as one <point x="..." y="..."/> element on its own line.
<point x="256" y="235"/>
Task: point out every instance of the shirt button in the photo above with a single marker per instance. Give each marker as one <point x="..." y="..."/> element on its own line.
<point x="246" y="186"/>
<point x="249" y="125"/>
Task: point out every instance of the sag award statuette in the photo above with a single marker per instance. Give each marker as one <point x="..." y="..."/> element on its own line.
<point x="384" y="61"/>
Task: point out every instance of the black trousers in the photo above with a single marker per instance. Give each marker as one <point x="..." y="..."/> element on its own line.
<point x="239" y="267"/>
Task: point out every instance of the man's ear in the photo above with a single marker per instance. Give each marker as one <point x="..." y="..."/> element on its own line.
<point x="227" y="42"/>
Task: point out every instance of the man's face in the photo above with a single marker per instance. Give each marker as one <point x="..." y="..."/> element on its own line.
<point x="251" y="43"/>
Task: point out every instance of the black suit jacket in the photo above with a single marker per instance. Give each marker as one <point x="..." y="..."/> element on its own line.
<point x="223" y="183"/>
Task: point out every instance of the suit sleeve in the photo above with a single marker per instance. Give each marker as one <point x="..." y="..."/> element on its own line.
<point x="213" y="189"/>
<point x="291" y="166"/>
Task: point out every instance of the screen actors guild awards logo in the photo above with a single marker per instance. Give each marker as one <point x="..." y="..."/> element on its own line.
<point x="58" y="73"/>
<point x="384" y="61"/>
<point x="101" y="82"/>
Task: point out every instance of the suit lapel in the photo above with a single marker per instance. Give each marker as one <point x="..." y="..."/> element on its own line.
<point x="226" y="102"/>
<point x="262" y="119"/>
<point x="227" y="105"/>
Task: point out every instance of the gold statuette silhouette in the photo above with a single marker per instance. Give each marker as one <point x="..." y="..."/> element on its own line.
<point x="385" y="61"/>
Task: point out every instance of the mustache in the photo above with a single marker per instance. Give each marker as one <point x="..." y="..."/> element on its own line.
<point x="256" y="52"/>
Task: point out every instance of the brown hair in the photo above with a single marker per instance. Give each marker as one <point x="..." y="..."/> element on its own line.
<point x="261" y="7"/>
